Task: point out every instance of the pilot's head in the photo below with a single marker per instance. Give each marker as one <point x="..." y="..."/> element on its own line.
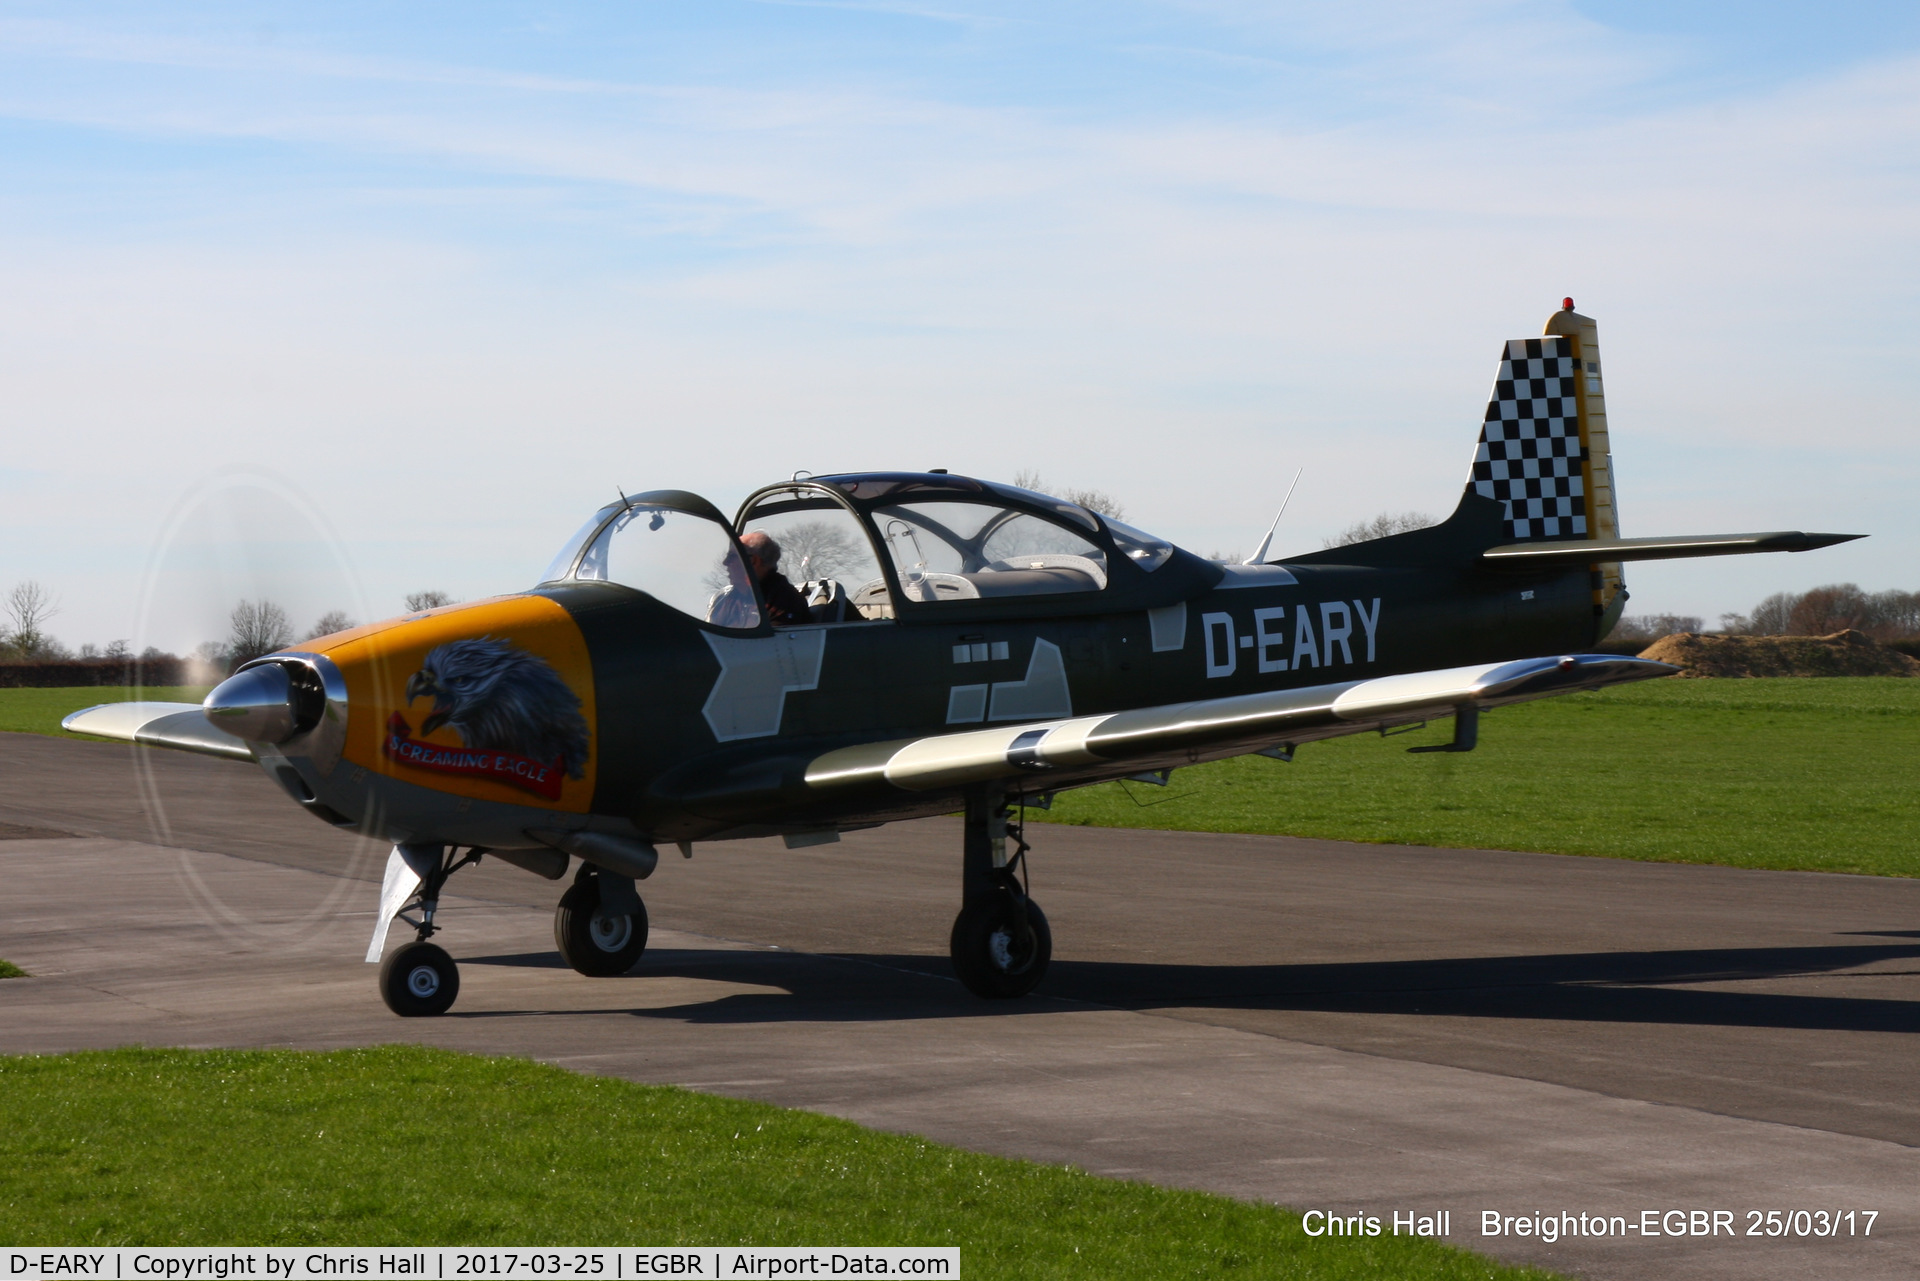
<point x="763" y="554"/>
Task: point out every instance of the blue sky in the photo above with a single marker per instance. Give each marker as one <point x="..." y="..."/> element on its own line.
<point x="442" y="276"/>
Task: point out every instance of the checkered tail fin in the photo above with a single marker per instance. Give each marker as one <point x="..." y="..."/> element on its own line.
<point x="1543" y="453"/>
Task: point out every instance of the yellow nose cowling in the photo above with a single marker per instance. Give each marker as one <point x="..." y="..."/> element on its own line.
<point x="491" y="700"/>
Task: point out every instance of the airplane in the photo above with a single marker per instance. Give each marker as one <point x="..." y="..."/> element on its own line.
<point x="959" y="645"/>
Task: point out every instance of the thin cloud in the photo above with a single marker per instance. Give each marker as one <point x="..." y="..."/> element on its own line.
<point x="483" y="276"/>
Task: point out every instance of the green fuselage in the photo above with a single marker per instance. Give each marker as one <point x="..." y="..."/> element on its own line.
<point x="655" y="674"/>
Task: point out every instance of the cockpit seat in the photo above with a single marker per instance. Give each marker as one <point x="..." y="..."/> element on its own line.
<point x="827" y="601"/>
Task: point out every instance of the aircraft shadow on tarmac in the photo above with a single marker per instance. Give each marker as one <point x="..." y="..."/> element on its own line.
<point x="1601" y="987"/>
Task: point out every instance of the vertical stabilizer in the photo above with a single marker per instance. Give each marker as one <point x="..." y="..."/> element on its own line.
<point x="1543" y="451"/>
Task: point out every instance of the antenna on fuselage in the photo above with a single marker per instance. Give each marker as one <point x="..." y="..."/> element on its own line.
<point x="1259" y="556"/>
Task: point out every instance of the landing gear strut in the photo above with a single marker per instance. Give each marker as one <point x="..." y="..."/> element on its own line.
<point x="420" y="979"/>
<point x="1001" y="943"/>
<point x="600" y="926"/>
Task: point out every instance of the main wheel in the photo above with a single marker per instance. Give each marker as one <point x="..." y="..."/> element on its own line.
<point x="989" y="955"/>
<point x="419" y="980"/>
<point x="593" y="942"/>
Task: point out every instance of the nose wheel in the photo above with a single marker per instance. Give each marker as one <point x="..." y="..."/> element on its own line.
<point x="600" y="925"/>
<point x="419" y="981"/>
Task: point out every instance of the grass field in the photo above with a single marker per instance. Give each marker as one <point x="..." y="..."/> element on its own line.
<point x="1816" y="774"/>
<point x="400" y="1144"/>
<point x="38" y="711"/>
<point x="8" y="970"/>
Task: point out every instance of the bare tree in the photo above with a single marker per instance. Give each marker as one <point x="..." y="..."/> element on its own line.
<point x="1769" y="617"/>
<point x="256" y="627"/>
<point x="811" y="549"/>
<point x="417" y="601"/>
<point x="1097" y="500"/>
<point x="1826" y="610"/>
<point x="1896" y="613"/>
<point x="1381" y="526"/>
<point x="334" y="620"/>
<point x="1821" y="611"/>
<point x="28" y="607"/>
<point x="208" y="664"/>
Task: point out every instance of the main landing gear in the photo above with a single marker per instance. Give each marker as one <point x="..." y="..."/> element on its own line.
<point x="600" y="926"/>
<point x="1001" y="943"/>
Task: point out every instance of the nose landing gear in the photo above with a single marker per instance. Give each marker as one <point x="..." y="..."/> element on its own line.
<point x="1000" y="943"/>
<point x="420" y="979"/>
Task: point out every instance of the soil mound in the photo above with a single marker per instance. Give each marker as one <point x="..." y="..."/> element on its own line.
<point x="1847" y="653"/>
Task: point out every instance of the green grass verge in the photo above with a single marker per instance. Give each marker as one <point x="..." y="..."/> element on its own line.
<point x="38" y="711"/>
<point x="1813" y="774"/>
<point x="175" y="1147"/>
<point x="8" y="970"/>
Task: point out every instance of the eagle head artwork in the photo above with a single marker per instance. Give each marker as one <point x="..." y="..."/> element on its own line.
<point x="498" y="698"/>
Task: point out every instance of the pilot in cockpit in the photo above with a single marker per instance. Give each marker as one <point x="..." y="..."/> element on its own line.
<point x="785" y="605"/>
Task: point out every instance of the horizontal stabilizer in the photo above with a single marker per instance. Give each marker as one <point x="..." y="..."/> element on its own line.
<point x="1095" y="746"/>
<point x="1592" y="551"/>
<point x="181" y="726"/>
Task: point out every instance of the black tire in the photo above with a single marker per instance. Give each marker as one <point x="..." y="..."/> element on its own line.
<point x="419" y="981"/>
<point x="987" y="957"/>
<point x="591" y="942"/>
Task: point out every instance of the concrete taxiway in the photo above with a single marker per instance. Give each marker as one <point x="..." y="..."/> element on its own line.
<point x="1360" y="1029"/>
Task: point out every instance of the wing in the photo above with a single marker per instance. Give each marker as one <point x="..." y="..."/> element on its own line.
<point x="181" y="726"/>
<point x="1116" y="744"/>
<point x="767" y="785"/>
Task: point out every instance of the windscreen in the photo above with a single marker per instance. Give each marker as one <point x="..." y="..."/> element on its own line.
<point x="563" y="561"/>
<point x="679" y="559"/>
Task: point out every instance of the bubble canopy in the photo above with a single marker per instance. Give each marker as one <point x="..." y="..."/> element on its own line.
<point x="875" y="546"/>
